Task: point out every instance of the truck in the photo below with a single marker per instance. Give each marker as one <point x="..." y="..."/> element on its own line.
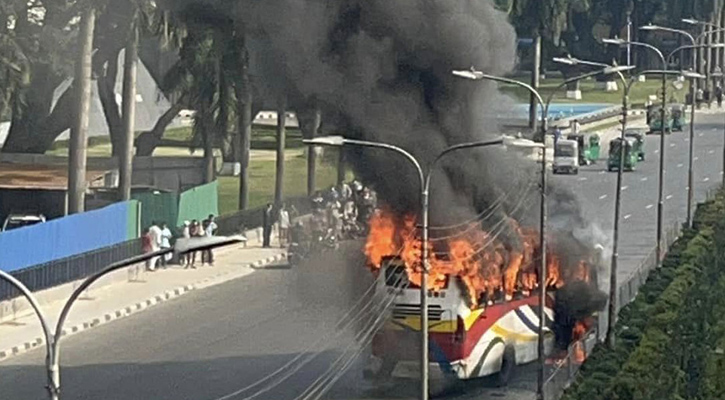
<point x="566" y="157"/>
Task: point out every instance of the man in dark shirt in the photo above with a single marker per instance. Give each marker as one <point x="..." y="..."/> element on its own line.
<point x="267" y="221"/>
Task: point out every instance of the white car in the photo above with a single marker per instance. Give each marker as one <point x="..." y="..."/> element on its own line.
<point x="14" y="221"/>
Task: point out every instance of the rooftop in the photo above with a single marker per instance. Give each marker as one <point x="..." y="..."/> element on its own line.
<point x="44" y="177"/>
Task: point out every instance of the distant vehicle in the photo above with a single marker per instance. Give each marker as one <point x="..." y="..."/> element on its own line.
<point x="638" y="137"/>
<point x="671" y="123"/>
<point x="588" y="149"/>
<point x="679" y="117"/>
<point x="630" y="157"/>
<point x="15" y="221"/>
<point x="566" y="157"/>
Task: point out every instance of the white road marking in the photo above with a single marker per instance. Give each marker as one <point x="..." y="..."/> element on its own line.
<point x="668" y="197"/>
<point x="644" y="179"/>
<point x="680" y="165"/>
<point x="602" y="197"/>
<point x="582" y="179"/>
<point x="700" y="134"/>
<point x="711" y="152"/>
<point x="696" y="158"/>
<point x="706" y="180"/>
<point x="625" y="187"/>
<point x="628" y="216"/>
<point x="649" y="206"/>
<point x="602" y="172"/>
<point x="657" y="152"/>
<point x="672" y="145"/>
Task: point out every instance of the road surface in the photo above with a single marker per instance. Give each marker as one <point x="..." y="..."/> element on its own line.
<point x="215" y="341"/>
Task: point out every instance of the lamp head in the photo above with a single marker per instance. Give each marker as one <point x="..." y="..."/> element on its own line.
<point x="650" y="27"/>
<point x="620" y="68"/>
<point x="691" y="21"/>
<point x="616" y="41"/>
<point x="469" y="74"/>
<point x="336" y="141"/>
<point x="692" y="75"/>
<point x="568" y="60"/>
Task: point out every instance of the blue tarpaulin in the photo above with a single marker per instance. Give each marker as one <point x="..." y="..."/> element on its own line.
<point x="69" y="236"/>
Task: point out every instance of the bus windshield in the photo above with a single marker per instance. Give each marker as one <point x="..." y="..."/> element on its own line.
<point x="565" y="151"/>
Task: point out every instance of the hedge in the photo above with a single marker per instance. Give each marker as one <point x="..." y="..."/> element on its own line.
<point x="663" y="344"/>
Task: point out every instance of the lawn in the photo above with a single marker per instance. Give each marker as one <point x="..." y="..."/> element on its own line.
<point x="262" y="178"/>
<point x="591" y="94"/>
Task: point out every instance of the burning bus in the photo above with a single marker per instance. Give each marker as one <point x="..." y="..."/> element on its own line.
<point x="484" y="301"/>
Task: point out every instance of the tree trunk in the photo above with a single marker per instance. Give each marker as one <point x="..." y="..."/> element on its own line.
<point x="147" y="142"/>
<point x="281" y="141"/>
<point x="207" y="121"/>
<point x="107" y="95"/>
<point x="222" y="123"/>
<point x="130" y="70"/>
<point x="244" y="134"/>
<point x="79" y="132"/>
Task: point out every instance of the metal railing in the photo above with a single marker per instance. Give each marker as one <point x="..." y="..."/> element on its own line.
<point x="65" y="270"/>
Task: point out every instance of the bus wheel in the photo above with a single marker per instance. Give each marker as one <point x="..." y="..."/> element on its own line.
<point x="507" y="367"/>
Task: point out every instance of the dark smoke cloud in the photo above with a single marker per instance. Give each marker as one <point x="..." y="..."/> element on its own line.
<point x="381" y="70"/>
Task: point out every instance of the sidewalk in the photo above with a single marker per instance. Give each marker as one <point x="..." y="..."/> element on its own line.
<point x="144" y="290"/>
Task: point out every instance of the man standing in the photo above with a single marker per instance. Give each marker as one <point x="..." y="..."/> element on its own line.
<point x="186" y="234"/>
<point x="165" y="244"/>
<point x="155" y="233"/>
<point x="718" y="95"/>
<point x="267" y="221"/>
<point x="209" y="231"/>
<point x="284" y="225"/>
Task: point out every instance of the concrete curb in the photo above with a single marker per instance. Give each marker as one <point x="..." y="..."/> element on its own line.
<point x="137" y="307"/>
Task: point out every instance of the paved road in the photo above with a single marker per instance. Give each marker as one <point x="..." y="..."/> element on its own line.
<point x="243" y="330"/>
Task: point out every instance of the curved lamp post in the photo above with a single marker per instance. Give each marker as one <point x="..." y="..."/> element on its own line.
<point x="477" y="75"/>
<point x="425" y="180"/>
<point x="52" y="337"/>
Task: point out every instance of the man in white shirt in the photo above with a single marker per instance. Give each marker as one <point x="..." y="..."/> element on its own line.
<point x="209" y="231"/>
<point x="284" y="225"/>
<point x="166" y="237"/>
<point x="155" y="233"/>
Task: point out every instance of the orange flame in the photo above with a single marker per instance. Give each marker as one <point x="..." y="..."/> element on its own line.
<point x="485" y="265"/>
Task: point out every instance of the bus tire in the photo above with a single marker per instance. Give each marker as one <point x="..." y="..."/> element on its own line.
<point x="508" y="364"/>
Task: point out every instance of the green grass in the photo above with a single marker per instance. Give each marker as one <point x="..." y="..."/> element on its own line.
<point x="263" y="138"/>
<point x="591" y="94"/>
<point x="262" y="181"/>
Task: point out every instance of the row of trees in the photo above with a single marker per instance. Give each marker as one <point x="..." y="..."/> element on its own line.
<point x="198" y="50"/>
<point x="669" y="340"/>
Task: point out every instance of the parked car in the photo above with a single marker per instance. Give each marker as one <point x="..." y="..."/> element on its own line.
<point x="15" y="221"/>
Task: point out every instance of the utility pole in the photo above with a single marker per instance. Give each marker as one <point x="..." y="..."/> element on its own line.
<point x="281" y="140"/>
<point x="535" y="81"/>
<point x="130" y="65"/>
<point x="312" y="152"/>
<point x="78" y="150"/>
<point x="629" y="37"/>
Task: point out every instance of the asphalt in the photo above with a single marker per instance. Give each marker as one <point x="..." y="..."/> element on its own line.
<point x="213" y="342"/>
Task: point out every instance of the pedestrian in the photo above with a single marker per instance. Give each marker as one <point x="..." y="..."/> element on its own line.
<point x="166" y="237"/>
<point x="146" y="246"/>
<point x="194" y="232"/>
<point x="718" y="95"/>
<point x="209" y="231"/>
<point x="155" y="233"/>
<point x="699" y="97"/>
<point x="267" y="221"/>
<point x="557" y="136"/>
<point x="186" y="234"/>
<point x="284" y="225"/>
<point x="706" y="97"/>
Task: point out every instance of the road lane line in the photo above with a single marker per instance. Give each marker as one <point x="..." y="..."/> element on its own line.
<point x="696" y="158"/>
<point x="649" y="206"/>
<point x="602" y="197"/>
<point x="680" y="165"/>
<point x="700" y="134"/>
<point x="625" y="187"/>
<point x="711" y="152"/>
<point x="668" y="197"/>
<point x="582" y="179"/>
<point x="706" y="180"/>
<point x="628" y="216"/>
<point x="657" y="152"/>
<point x="672" y="145"/>
<point x="602" y="172"/>
<point x="644" y="179"/>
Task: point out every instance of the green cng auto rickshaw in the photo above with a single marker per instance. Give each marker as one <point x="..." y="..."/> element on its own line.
<point x="655" y="120"/>
<point x="630" y="157"/>
<point x="679" y="117"/>
<point x="588" y="150"/>
<point x="638" y="143"/>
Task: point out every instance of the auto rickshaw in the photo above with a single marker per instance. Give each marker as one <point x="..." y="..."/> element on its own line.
<point x="630" y="157"/>
<point x="679" y="117"/>
<point x="655" y="120"/>
<point x="638" y="143"/>
<point x="588" y="150"/>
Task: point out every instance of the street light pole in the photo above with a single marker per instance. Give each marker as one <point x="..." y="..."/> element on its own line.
<point x="52" y="338"/>
<point x="424" y="180"/>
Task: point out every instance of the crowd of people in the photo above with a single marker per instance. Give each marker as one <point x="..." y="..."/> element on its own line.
<point x="159" y="237"/>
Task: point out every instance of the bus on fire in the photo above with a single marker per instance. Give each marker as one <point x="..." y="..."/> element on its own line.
<point x="465" y="342"/>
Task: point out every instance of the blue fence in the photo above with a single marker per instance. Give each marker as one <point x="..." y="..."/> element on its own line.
<point x="70" y="236"/>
